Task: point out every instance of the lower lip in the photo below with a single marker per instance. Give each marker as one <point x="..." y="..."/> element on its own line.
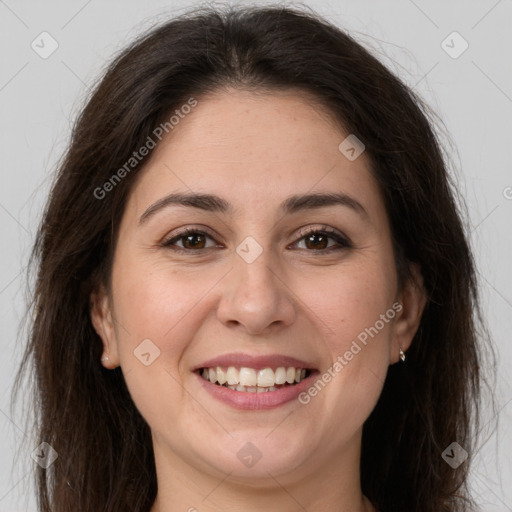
<point x="255" y="401"/>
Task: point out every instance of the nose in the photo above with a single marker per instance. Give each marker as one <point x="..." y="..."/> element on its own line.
<point x="256" y="296"/>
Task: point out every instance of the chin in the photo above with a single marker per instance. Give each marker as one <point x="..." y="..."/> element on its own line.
<point x="254" y="457"/>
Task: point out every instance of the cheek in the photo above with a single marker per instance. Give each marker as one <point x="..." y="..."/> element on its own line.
<point x="167" y="306"/>
<point x="353" y="309"/>
<point x="348" y="300"/>
<point x="153" y="299"/>
<point x="157" y="313"/>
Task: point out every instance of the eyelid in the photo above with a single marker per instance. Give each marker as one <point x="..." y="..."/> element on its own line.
<point x="196" y="228"/>
<point x="343" y="241"/>
<point x="322" y="229"/>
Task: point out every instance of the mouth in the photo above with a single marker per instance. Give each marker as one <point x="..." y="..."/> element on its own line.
<point x="254" y="380"/>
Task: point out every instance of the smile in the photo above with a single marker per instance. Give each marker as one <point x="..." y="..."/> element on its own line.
<point x="252" y="380"/>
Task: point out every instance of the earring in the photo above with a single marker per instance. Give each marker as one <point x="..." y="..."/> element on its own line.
<point x="402" y="355"/>
<point x="104" y="358"/>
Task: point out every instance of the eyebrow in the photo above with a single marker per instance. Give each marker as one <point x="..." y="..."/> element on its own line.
<point x="292" y="204"/>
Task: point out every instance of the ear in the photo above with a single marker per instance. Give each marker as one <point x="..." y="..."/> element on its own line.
<point x="103" y="323"/>
<point x="412" y="299"/>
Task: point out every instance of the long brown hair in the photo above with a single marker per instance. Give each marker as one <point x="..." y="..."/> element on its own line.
<point x="85" y="412"/>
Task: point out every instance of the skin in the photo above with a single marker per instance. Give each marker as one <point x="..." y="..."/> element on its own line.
<point x="255" y="151"/>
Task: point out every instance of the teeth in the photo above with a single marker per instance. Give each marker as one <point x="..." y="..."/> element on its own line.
<point x="222" y="378"/>
<point x="266" y="378"/>
<point x="253" y="380"/>
<point x="281" y="375"/>
<point x="232" y="375"/>
<point x="247" y="377"/>
<point x="252" y="389"/>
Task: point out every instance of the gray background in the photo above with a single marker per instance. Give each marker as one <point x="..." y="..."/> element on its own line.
<point x="472" y="93"/>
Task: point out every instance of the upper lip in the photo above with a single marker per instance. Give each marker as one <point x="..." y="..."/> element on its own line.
<point x="257" y="362"/>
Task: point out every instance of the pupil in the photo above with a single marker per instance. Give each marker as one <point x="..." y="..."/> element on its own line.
<point x="311" y="237"/>
<point x="191" y="237"/>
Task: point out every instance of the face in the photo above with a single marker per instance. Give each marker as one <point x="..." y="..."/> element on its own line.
<point x="257" y="283"/>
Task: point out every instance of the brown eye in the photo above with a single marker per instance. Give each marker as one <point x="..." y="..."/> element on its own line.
<point x="318" y="240"/>
<point x="191" y="239"/>
<point x="195" y="241"/>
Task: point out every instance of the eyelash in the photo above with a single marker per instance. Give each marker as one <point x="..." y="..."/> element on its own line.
<point x="324" y="230"/>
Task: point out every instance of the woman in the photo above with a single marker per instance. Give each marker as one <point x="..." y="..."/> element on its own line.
<point x="255" y="290"/>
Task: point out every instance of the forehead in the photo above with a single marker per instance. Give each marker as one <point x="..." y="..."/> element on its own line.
<point x="254" y="149"/>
